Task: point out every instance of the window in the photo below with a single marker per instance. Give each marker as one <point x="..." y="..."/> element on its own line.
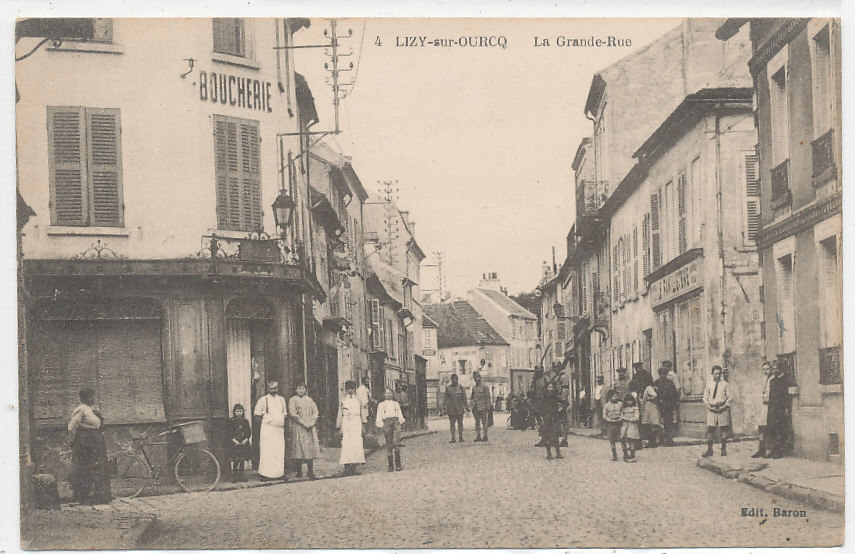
<point x="85" y="162"/>
<point x="682" y="215"/>
<point x="230" y="36"/>
<point x="785" y="315"/>
<point x="829" y="253"/>
<point x="779" y="108"/>
<point x="751" y="182"/>
<point x="645" y="245"/>
<point x="238" y="174"/>
<point x="821" y="75"/>
<point x="655" y="234"/>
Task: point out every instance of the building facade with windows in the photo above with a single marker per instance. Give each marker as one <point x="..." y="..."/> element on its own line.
<point x="796" y="66"/>
<point x="685" y="269"/>
<point x="155" y="270"/>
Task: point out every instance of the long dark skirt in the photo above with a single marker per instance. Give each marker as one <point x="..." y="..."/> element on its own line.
<point x="91" y="479"/>
<point x="550" y="430"/>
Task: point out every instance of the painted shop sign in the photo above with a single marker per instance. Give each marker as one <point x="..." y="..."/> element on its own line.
<point x="235" y="91"/>
<point x="677" y="283"/>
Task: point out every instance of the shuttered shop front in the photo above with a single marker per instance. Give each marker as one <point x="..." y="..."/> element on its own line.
<point x="118" y="358"/>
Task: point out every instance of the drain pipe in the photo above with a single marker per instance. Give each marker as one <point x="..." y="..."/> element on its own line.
<point x="720" y="233"/>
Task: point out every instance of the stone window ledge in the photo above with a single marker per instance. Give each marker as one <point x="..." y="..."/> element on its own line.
<point x="92" y="47"/>
<point x="56" y="230"/>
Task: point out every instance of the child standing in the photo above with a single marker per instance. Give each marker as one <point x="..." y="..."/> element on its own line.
<point x="303" y="445"/>
<point x="239" y="448"/>
<point x="390" y="418"/>
<point x="630" y="414"/>
<point x="612" y="418"/>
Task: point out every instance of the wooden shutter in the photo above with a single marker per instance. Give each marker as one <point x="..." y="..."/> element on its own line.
<point x="238" y="174"/>
<point x="645" y="244"/>
<point x="226" y="35"/>
<point x="682" y="239"/>
<point x="752" y="198"/>
<point x="64" y="362"/>
<point x="374" y="321"/>
<point x="656" y="246"/>
<point x="595" y="291"/>
<point x="66" y="151"/>
<point x="105" y="166"/>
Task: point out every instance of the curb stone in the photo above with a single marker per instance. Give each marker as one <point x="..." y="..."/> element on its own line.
<point x="817" y="499"/>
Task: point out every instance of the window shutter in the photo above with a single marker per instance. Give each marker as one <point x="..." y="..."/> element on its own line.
<point x="595" y="291"/>
<point x="635" y="275"/>
<point x="104" y="169"/>
<point x="645" y="244"/>
<point x="66" y="147"/>
<point x="250" y="177"/>
<point x="681" y="213"/>
<point x="752" y="198"/>
<point x="656" y="249"/>
<point x="221" y="168"/>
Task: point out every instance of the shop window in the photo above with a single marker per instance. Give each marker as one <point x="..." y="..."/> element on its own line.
<point x="85" y="162"/>
<point x="237" y="145"/>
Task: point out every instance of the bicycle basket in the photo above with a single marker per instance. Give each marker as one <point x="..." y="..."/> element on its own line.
<point x="191" y="432"/>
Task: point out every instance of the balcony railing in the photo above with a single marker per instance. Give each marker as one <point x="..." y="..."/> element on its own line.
<point x="829" y="366"/>
<point x="781" y="184"/>
<point x="256" y="247"/>
<point x="823" y="153"/>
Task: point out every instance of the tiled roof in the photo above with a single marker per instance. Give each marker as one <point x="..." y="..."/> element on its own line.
<point x="460" y="325"/>
<point x="506" y="303"/>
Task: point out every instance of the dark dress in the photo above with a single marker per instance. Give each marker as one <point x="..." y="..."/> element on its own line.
<point x="91" y="482"/>
<point x="552" y="411"/>
<point x="240" y="430"/>
<point x="778" y="414"/>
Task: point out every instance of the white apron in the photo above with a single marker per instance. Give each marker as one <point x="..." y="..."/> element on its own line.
<point x="350" y="412"/>
<point x="271" y="440"/>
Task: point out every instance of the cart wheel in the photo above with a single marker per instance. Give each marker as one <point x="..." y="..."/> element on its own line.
<point x="197" y="470"/>
<point x="131" y="474"/>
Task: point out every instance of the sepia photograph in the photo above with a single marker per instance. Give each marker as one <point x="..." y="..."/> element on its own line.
<point x="428" y="283"/>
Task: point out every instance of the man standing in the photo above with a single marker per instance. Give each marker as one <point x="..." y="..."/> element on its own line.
<point x="481" y="403"/>
<point x="763" y="414"/>
<point x="455" y="406"/>
<point x="668" y="397"/>
<point x="404" y="400"/>
<point x="621" y="386"/>
<point x="537" y="391"/>
<point x="272" y="408"/>
<point x="778" y="417"/>
<point x="598" y="404"/>
<point x="717" y="399"/>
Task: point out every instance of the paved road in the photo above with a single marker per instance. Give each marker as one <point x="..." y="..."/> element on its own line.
<point x="500" y="494"/>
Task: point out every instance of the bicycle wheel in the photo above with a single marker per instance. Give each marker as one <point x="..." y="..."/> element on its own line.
<point x="130" y="477"/>
<point x="197" y="470"/>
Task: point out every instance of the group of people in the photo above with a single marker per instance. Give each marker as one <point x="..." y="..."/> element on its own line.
<point x="455" y="405"/>
<point x="774" y="416"/>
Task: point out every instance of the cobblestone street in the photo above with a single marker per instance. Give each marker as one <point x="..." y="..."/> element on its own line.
<point x="500" y="494"/>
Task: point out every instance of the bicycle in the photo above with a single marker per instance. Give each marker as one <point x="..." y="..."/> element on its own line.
<point x="195" y="469"/>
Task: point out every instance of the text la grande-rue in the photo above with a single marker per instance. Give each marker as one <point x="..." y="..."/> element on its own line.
<point x="587" y="42"/>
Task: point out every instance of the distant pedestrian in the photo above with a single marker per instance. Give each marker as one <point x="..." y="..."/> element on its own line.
<point x="273" y="410"/>
<point x="404" y="400"/>
<point x="304" y="446"/>
<point x="763" y="412"/>
<point x="239" y="448"/>
<point x="613" y="422"/>
<point x="455" y="406"/>
<point x="391" y="419"/>
<point x="481" y="404"/>
<point x="629" y="435"/>
<point x="90" y="482"/>
<point x="651" y="420"/>
<point x="536" y="395"/>
<point x="553" y="411"/>
<point x="669" y="399"/>
<point x="621" y="385"/>
<point x="363" y="393"/>
<point x="349" y="422"/>
<point x="717" y="400"/>
<point x="778" y="417"/>
<point x="599" y="400"/>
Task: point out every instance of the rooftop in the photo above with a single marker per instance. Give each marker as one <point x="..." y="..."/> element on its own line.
<point x="507" y="304"/>
<point x="460" y="325"/>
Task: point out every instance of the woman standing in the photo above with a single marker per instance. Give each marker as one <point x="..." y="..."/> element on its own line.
<point x="552" y="411"/>
<point x="272" y="409"/>
<point x="651" y="419"/>
<point x="90" y="482"/>
<point x="351" y="416"/>
<point x="303" y="445"/>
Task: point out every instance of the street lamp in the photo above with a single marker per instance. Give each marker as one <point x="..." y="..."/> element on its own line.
<point x="283" y="209"/>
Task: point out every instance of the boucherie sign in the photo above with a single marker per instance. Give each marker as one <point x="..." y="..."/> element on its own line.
<point x="235" y="91"/>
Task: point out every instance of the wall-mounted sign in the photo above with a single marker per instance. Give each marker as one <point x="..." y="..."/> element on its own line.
<point x="677" y="283"/>
<point x="429" y="352"/>
<point x="235" y="91"/>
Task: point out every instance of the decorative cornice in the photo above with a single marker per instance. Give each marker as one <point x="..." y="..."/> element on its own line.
<point x="799" y="221"/>
<point x="782" y="36"/>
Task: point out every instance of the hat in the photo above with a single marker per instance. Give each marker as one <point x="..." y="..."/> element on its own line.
<point x="600" y="378"/>
<point x="621" y="370"/>
<point x="476" y="375"/>
<point x="350" y="384"/>
<point x="638" y="365"/>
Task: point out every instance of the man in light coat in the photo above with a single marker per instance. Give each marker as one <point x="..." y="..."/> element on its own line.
<point x="717" y="399"/>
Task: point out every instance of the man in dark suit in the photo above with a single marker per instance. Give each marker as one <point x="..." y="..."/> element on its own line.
<point x="669" y="399"/>
<point x="778" y="422"/>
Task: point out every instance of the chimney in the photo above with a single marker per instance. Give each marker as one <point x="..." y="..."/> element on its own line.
<point x="490" y="281"/>
<point x="545" y="270"/>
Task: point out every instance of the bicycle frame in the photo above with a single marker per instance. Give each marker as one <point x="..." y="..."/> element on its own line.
<point x="139" y="448"/>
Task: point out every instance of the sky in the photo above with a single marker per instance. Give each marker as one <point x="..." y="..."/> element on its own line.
<point x="480" y="141"/>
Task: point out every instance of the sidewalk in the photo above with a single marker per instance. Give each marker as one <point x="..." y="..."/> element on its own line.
<point x="678" y="441"/>
<point x="817" y="483"/>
